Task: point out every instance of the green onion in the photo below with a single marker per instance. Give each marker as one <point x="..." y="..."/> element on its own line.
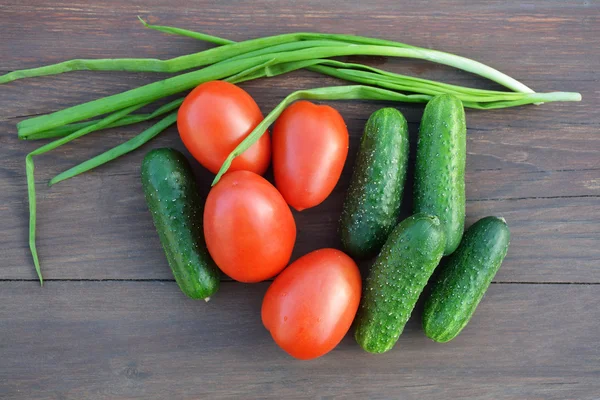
<point x="184" y="32"/>
<point x="127" y="120"/>
<point x="414" y="84"/>
<point x="117" y="151"/>
<point x="176" y="64"/>
<point x="457" y="61"/>
<point x="220" y="57"/>
<point x="372" y="79"/>
<point x="301" y="36"/>
<point x="234" y="49"/>
<point x="359" y="92"/>
<point x="29" y="169"/>
<point x="389" y="81"/>
<point x="157" y="90"/>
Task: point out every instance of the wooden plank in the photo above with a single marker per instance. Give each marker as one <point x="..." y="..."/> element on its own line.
<point x="117" y="340"/>
<point x="554" y="240"/>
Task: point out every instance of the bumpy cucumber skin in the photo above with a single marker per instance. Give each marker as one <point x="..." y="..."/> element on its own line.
<point x="372" y="204"/>
<point x="176" y="207"/>
<point x="440" y="166"/>
<point x="401" y="271"/>
<point x="465" y="278"/>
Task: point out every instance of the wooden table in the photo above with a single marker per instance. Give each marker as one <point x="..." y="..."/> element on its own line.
<point x="111" y="323"/>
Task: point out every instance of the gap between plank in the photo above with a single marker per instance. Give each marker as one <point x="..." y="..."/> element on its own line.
<point x="535" y="198"/>
<point x="230" y="281"/>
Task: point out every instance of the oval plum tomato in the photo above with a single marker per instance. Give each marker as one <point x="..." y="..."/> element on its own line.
<point x="249" y="229"/>
<point x="310" y="145"/>
<point x="214" y="118"/>
<point x="310" y="306"/>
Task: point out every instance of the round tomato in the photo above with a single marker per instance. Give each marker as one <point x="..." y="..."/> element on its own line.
<point x="249" y="229"/>
<point x="310" y="306"/>
<point x="214" y="118"/>
<point x="310" y="145"/>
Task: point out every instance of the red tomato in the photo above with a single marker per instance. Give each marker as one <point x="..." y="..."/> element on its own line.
<point x="310" y="306"/>
<point x="214" y="118"/>
<point x="249" y="229"/>
<point x="310" y="145"/>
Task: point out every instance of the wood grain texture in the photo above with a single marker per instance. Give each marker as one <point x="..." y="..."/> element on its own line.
<point x="134" y="335"/>
<point x="107" y="340"/>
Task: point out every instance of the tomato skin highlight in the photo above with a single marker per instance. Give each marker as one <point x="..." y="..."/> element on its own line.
<point x="249" y="229"/>
<point x="214" y="118"/>
<point x="310" y="146"/>
<point x="310" y="306"/>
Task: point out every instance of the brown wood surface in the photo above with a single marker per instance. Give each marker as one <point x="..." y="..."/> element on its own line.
<point x="106" y="340"/>
<point x="110" y="323"/>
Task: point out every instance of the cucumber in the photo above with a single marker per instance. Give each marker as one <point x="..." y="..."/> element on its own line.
<point x="176" y="208"/>
<point x="372" y="204"/>
<point x="440" y="166"/>
<point x="465" y="278"/>
<point x="401" y="271"/>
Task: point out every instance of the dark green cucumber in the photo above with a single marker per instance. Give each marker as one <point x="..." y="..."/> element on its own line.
<point x="401" y="271"/>
<point x="176" y="208"/>
<point x="372" y="204"/>
<point x="440" y="166"/>
<point x="465" y="278"/>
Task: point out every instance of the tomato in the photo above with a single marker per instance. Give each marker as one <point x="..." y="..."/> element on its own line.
<point x="249" y="229"/>
<point x="310" y="145"/>
<point x="310" y="306"/>
<point x="214" y="118"/>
